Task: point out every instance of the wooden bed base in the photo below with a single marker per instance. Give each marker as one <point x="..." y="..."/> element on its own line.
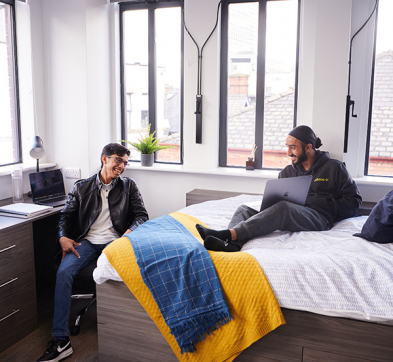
<point x="126" y="332"/>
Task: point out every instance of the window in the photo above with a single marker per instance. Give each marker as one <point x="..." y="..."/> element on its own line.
<point x="379" y="157"/>
<point x="10" y="149"/>
<point x="258" y="81"/>
<point x="152" y="72"/>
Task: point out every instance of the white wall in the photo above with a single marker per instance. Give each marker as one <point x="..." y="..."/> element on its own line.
<point x="324" y="53"/>
<point x="165" y="192"/>
<point x="79" y="81"/>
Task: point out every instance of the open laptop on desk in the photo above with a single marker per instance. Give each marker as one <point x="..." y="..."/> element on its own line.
<point x="292" y="189"/>
<point x="47" y="188"/>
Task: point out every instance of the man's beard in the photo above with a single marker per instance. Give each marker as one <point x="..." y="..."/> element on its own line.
<point x="301" y="158"/>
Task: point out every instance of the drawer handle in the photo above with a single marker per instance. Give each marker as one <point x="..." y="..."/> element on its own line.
<point x="12" y="280"/>
<point x="9" y="315"/>
<point x="10" y="247"/>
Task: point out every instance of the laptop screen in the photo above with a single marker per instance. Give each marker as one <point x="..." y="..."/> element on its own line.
<point x="46" y="184"/>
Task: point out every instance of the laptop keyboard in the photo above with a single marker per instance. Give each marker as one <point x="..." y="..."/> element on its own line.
<point x="55" y="199"/>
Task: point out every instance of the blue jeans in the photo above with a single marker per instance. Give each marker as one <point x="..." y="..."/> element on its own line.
<point x="285" y="216"/>
<point x="69" y="268"/>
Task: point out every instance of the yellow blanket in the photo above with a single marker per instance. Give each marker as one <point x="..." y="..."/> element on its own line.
<point x="254" y="308"/>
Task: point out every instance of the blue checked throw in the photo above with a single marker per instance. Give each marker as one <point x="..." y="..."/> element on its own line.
<point x="181" y="276"/>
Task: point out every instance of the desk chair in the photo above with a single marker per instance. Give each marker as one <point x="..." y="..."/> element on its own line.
<point x="84" y="288"/>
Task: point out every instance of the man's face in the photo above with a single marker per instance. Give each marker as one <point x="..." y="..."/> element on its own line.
<point x="296" y="150"/>
<point x="114" y="165"/>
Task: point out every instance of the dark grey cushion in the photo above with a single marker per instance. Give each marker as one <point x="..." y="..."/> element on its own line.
<point x="379" y="225"/>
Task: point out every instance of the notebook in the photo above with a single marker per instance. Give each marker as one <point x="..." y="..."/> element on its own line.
<point x="47" y="188"/>
<point x="292" y="189"/>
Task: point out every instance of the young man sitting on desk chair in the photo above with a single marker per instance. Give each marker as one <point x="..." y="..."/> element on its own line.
<point x="103" y="207"/>
<point x="333" y="196"/>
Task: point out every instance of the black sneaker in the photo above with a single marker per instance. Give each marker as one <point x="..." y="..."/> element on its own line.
<point x="57" y="350"/>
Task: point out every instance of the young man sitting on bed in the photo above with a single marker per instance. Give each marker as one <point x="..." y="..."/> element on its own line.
<point x="333" y="196"/>
<point x="101" y="208"/>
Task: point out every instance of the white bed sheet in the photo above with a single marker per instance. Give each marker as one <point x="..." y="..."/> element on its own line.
<point x="330" y="272"/>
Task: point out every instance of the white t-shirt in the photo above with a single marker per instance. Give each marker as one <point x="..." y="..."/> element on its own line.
<point x="102" y="231"/>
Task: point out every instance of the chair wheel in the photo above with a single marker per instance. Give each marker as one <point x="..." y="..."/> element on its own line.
<point x="74" y="330"/>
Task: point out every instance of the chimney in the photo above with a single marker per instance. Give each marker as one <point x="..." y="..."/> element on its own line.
<point x="238" y="84"/>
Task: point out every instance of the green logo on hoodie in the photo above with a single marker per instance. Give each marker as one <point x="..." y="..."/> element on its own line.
<point x="321" y="179"/>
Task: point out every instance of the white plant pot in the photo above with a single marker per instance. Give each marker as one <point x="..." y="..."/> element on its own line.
<point x="147" y="160"/>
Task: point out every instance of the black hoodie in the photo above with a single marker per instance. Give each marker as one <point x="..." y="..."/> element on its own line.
<point x="332" y="192"/>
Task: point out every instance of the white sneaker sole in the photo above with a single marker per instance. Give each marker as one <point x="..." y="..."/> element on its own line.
<point x="65" y="354"/>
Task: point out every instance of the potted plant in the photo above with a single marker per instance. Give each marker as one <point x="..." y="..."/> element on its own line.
<point x="148" y="144"/>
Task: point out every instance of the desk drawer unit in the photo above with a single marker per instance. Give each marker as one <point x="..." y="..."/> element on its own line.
<point x="17" y="317"/>
<point x="15" y="277"/>
<point x="18" y="309"/>
<point x="15" y="243"/>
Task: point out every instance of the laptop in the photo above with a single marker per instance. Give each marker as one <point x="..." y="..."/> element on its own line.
<point x="292" y="189"/>
<point x="47" y="188"/>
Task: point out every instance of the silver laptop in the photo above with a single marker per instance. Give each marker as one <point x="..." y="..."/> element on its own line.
<point x="292" y="189"/>
<point x="47" y="188"/>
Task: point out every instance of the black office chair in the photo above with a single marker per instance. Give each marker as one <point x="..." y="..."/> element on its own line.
<point x="84" y="288"/>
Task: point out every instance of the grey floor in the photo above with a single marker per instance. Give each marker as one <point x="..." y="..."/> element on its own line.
<point x="31" y="347"/>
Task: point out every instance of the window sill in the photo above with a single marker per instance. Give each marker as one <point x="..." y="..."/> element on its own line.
<point x="241" y="172"/>
<point x="374" y="181"/>
<point x="219" y="171"/>
<point x="6" y="170"/>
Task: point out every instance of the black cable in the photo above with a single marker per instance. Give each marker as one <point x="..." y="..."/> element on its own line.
<point x="215" y="26"/>
<point x="185" y="27"/>
<point x="199" y="82"/>
<point x="350" y="47"/>
<point x="350" y="103"/>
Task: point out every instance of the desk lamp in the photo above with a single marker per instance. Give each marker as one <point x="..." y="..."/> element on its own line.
<point x="37" y="150"/>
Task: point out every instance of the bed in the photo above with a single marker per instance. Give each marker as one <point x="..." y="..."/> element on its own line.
<point x="335" y="291"/>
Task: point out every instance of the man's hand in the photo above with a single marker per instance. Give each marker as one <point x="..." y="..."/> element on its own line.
<point x="67" y="246"/>
<point x="127" y="232"/>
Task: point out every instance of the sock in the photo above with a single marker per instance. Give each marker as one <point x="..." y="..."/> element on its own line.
<point x="62" y="338"/>
<point x="215" y="244"/>
<point x="220" y="234"/>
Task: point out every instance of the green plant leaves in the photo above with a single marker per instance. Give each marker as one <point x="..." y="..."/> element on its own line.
<point x="148" y="144"/>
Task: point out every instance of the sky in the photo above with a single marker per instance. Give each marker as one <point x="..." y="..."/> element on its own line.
<point x="385" y="26"/>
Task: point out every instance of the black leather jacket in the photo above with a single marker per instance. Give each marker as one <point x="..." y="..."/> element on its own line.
<point x="84" y="203"/>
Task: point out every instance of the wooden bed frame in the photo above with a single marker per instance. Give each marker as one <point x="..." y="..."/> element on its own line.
<point x="126" y="332"/>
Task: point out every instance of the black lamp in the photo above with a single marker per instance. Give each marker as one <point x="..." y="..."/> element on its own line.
<point x="37" y="150"/>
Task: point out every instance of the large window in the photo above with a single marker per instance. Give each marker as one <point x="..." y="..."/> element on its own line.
<point x="379" y="160"/>
<point x="258" y="81"/>
<point x="10" y="152"/>
<point x="152" y="68"/>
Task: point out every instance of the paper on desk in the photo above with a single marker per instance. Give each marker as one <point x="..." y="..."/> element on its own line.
<point x="24" y="209"/>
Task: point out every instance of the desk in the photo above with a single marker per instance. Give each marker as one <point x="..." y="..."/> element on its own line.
<point x="18" y="240"/>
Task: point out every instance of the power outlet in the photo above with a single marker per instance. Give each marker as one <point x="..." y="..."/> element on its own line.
<point x="72" y="173"/>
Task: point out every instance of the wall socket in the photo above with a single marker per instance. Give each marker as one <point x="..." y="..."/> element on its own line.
<point x="72" y="173"/>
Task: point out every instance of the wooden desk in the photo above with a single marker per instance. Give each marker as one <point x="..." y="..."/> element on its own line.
<point x="18" y="304"/>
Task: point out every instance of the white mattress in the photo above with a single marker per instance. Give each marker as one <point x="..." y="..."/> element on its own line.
<point x="326" y="272"/>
